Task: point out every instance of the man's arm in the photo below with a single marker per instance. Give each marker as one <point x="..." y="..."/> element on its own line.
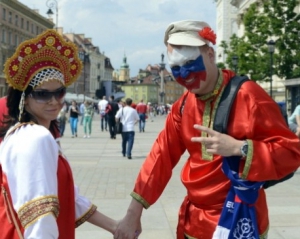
<point x="130" y="225"/>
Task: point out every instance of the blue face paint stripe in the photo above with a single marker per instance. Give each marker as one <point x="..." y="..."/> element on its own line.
<point x="183" y="71"/>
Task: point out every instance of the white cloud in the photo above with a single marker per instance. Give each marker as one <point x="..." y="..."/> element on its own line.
<point x="134" y="26"/>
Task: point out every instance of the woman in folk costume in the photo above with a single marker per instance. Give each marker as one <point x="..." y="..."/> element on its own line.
<point x="38" y="198"/>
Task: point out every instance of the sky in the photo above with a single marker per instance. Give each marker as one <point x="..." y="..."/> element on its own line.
<point x="134" y="28"/>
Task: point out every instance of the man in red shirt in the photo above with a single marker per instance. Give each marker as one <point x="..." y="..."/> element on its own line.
<point x="141" y="108"/>
<point x="262" y="148"/>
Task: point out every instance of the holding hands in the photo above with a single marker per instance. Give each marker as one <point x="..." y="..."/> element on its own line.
<point x="218" y="143"/>
<point x="130" y="226"/>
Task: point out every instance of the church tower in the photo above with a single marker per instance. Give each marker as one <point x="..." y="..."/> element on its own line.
<point x="124" y="70"/>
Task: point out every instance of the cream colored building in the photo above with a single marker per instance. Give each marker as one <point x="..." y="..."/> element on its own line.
<point x="96" y="70"/>
<point x="17" y="23"/>
<point x="229" y="14"/>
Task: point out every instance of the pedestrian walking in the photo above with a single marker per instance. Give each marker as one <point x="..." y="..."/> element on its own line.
<point x="111" y="111"/>
<point x="73" y="117"/>
<point x="141" y="108"/>
<point x="128" y="117"/>
<point x="62" y="119"/>
<point x="102" y="111"/>
<point x="88" y="113"/>
<point x="294" y="121"/>
<point x="150" y="111"/>
<point x="81" y="110"/>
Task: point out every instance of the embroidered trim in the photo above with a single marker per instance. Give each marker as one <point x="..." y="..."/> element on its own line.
<point x="140" y="199"/>
<point x="86" y="215"/>
<point x="45" y="76"/>
<point x="47" y="50"/>
<point x="262" y="236"/>
<point x="209" y="114"/>
<point x="37" y="208"/>
<point x="189" y="237"/>
<point x="248" y="159"/>
<point x="265" y="234"/>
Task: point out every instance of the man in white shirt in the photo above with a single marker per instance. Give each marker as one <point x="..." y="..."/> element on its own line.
<point x="128" y="117"/>
<point x="102" y="107"/>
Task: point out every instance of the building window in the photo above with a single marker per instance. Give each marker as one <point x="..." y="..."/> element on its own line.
<point x="2" y="63"/>
<point x="21" y="39"/>
<point x="9" y="38"/>
<point x="16" y="40"/>
<point x="3" y="36"/>
<point x="4" y="14"/>
<point x="37" y="30"/>
<point x="32" y="28"/>
<point x="22" y="23"/>
<point x="17" y="20"/>
<point x="27" y="25"/>
<point x="9" y="17"/>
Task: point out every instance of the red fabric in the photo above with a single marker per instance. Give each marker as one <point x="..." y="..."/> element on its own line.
<point x="276" y="152"/>
<point x="141" y="108"/>
<point x="7" y="226"/>
<point x="133" y="105"/>
<point x="66" y="218"/>
<point x="3" y="110"/>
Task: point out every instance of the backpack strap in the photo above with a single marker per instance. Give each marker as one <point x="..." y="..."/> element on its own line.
<point x="226" y="101"/>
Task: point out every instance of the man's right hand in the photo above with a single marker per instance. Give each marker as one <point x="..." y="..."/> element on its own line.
<point x="130" y="226"/>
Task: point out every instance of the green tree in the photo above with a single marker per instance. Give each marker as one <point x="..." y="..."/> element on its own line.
<point x="269" y="19"/>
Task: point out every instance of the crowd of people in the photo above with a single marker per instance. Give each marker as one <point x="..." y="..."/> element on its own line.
<point x="224" y="173"/>
<point x="83" y="113"/>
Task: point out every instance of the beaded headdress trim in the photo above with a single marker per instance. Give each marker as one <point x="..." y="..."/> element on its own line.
<point x="47" y="51"/>
<point x="46" y="75"/>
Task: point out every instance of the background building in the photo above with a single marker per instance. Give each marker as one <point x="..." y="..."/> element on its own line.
<point x="17" y="23"/>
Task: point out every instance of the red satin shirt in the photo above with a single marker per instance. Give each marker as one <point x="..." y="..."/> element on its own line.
<point x="273" y="153"/>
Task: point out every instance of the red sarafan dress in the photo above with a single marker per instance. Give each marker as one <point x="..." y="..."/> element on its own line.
<point x="38" y="197"/>
<point x="273" y="153"/>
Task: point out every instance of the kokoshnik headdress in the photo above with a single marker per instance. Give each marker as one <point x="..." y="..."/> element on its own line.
<point x="46" y="57"/>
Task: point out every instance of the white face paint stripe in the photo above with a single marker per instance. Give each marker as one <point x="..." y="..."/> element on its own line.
<point x="179" y="56"/>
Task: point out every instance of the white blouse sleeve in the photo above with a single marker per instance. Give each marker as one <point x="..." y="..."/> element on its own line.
<point x="84" y="209"/>
<point x="29" y="159"/>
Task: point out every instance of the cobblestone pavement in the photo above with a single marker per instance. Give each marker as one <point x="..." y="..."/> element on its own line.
<point x="107" y="178"/>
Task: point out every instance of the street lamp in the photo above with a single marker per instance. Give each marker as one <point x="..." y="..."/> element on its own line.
<point x="271" y="47"/>
<point x="162" y="68"/>
<point x="235" y="62"/>
<point x="51" y="4"/>
<point x="84" y="57"/>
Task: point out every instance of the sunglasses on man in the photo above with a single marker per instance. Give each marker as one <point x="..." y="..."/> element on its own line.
<point x="44" y="96"/>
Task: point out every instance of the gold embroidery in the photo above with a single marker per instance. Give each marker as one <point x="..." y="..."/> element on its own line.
<point x="265" y="234"/>
<point x="248" y="159"/>
<point x="206" y="122"/>
<point x="37" y="208"/>
<point x="86" y="216"/>
<point x="209" y="113"/>
<point x="140" y="199"/>
<point x="189" y="237"/>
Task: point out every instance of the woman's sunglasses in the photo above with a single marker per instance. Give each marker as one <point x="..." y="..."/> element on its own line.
<point x="44" y="96"/>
